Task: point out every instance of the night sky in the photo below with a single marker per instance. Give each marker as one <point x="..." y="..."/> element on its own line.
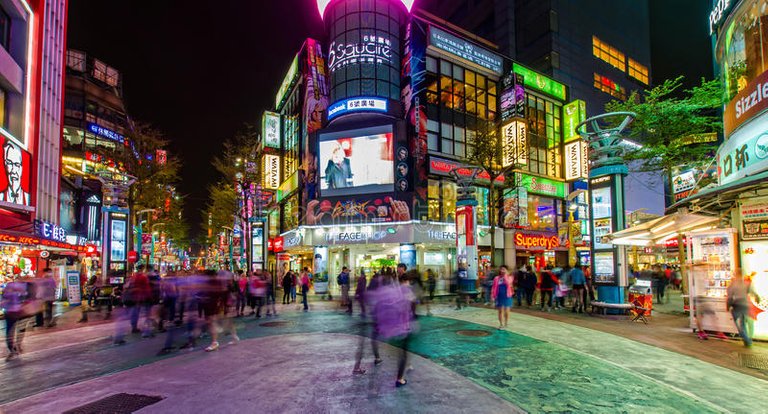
<point x="199" y="70"/>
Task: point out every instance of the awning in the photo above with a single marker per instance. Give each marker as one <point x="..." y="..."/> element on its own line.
<point x="716" y="199"/>
<point x="661" y="229"/>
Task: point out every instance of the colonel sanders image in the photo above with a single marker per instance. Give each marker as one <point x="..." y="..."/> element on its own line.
<point x="12" y="157"/>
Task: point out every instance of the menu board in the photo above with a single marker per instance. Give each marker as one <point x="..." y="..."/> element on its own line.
<point x="604" y="270"/>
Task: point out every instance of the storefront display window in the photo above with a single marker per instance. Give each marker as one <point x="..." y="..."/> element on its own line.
<point x="449" y="200"/>
<point x="481" y="195"/>
<point x="433" y="193"/>
<point x="745" y="44"/>
<point x="542" y="213"/>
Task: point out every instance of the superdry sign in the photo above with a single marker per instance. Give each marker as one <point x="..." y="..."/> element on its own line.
<point x="536" y="241"/>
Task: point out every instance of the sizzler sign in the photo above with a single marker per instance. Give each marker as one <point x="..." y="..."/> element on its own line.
<point x="536" y="241"/>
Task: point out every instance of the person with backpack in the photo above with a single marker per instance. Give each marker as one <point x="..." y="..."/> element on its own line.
<point x="546" y="286"/>
<point x="343" y="280"/>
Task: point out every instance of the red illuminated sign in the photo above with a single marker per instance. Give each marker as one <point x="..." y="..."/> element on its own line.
<point x="12" y="238"/>
<point x="132" y="256"/>
<point x="536" y="241"/>
<point x="270" y="245"/>
<point x="444" y="167"/>
<point x="277" y="244"/>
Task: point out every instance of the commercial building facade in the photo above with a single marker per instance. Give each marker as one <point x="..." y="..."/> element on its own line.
<point x="379" y="114"/>
<point x="32" y="44"/>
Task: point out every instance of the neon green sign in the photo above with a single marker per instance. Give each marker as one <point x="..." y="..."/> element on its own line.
<point x="542" y="186"/>
<point x="573" y="114"/>
<point x="540" y="82"/>
<point x="290" y="77"/>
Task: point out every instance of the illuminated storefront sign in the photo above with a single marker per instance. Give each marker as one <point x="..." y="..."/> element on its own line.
<point x="50" y="231"/>
<point x="12" y="238"/>
<point x="745" y="152"/>
<point x="323" y="4"/>
<point x="375" y="48"/>
<point x="17" y="166"/>
<point x="717" y="14"/>
<point x="576" y="160"/>
<point x="357" y="105"/>
<point x="443" y="167"/>
<point x="541" y="186"/>
<point x="456" y="46"/>
<point x="754" y="211"/>
<point x="271" y="171"/>
<point x="515" y="144"/>
<point x="290" y="78"/>
<point x="105" y="133"/>
<point x="540" y="82"/>
<point x="752" y="100"/>
<point x="536" y="241"/>
<point x="270" y="127"/>
<point x="573" y="114"/>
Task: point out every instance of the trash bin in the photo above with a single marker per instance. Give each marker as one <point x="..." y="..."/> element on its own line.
<point x="641" y="295"/>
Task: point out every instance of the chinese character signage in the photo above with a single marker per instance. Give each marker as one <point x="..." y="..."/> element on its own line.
<point x="754" y="212"/>
<point x="683" y="182"/>
<point x="744" y="153"/>
<point x="514" y="143"/>
<point x="105" y="133"/>
<point x="374" y="48"/>
<point x="15" y="180"/>
<point x="447" y="42"/>
<point x="271" y="129"/>
<point x="573" y="114"/>
<point x="540" y="82"/>
<point x="576" y="160"/>
<point x="50" y="231"/>
<point x="271" y="166"/>
<point x="357" y="105"/>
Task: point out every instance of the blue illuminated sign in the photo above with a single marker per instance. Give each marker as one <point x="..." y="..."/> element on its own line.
<point x="105" y="133"/>
<point x="454" y="45"/>
<point x="357" y="105"/>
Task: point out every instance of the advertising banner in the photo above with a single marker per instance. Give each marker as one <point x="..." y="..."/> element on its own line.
<point x="576" y="160"/>
<point x="515" y="143"/>
<point x="463" y="49"/>
<point x="745" y="152"/>
<point x="754" y="211"/>
<point x="372" y="209"/>
<point x="603" y="272"/>
<point x="15" y="186"/>
<point x="512" y="97"/>
<point x="683" y="182"/>
<point x="540" y="82"/>
<point x="408" y="255"/>
<point x="541" y="186"/>
<point x="117" y="237"/>
<point x="750" y="101"/>
<point x="466" y="243"/>
<point x="257" y="242"/>
<point x="271" y="166"/>
<point x="573" y="114"/>
<point x="270" y="129"/>
<point x="515" y="208"/>
<point x="602" y="227"/>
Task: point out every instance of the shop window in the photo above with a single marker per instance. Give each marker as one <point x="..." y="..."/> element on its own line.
<point x="638" y="71"/>
<point x="449" y="200"/>
<point x="3" y="122"/>
<point x="743" y="48"/>
<point x="542" y="214"/>
<point x="544" y="132"/>
<point x="610" y="87"/>
<point x="481" y="195"/>
<point x="608" y="54"/>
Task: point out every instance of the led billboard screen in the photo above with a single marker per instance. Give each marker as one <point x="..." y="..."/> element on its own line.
<point x="356" y="162"/>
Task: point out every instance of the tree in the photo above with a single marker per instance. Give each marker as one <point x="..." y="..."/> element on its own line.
<point x="667" y="117"/>
<point x="486" y="152"/>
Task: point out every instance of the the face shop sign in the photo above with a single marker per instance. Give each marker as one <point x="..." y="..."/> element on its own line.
<point x="372" y="50"/>
<point x="441" y="235"/>
<point x="349" y="237"/>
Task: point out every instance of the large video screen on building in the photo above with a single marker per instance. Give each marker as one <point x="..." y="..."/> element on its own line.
<point x="357" y="161"/>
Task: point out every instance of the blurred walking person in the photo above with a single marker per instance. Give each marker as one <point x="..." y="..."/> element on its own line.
<point x="579" y="282"/>
<point x="270" y="293"/>
<point x="305" y="289"/>
<point x="360" y="292"/>
<point x="242" y="287"/>
<point x="546" y="286"/>
<point x="259" y="291"/>
<point x="20" y="308"/>
<point x="738" y="304"/>
<point x="502" y="291"/>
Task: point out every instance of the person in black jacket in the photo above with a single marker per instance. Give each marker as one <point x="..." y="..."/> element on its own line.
<point x="528" y="284"/>
<point x="287" y="284"/>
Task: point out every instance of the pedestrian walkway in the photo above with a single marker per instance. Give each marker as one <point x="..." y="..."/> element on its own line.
<point x="538" y="365"/>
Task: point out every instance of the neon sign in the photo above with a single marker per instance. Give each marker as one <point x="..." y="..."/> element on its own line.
<point x="717" y="14"/>
<point x="357" y="105"/>
<point x="447" y="42"/>
<point x="530" y="241"/>
<point x="50" y="231"/>
<point x="373" y="49"/>
<point x="105" y="133"/>
<point x="323" y="4"/>
<point x="540" y="82"/>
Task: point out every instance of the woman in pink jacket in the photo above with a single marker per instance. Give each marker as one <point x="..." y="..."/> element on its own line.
<point x="502" y="293"/>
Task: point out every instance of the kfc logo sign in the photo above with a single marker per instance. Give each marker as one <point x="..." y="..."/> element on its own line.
<point x="14" y="182"/>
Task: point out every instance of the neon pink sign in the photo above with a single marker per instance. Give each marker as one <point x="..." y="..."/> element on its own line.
<point x="323" y="4"/>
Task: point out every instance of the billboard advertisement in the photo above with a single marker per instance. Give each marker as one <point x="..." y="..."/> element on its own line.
<point x="117" y="238"/>
<point x="15" y="187"/>
<point x="358" y="161"/>
<point x="270" y="126"/>
<point x="512" y="97"/>
<point x="271" y="164"/>
<point x="363" y="209"/>
<point x="573" y="114"/>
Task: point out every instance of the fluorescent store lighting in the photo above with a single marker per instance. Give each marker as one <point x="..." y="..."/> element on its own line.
<point x="662" y="227"/>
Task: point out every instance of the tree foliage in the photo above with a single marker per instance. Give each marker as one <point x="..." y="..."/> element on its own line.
<point x="667" y="116"/>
